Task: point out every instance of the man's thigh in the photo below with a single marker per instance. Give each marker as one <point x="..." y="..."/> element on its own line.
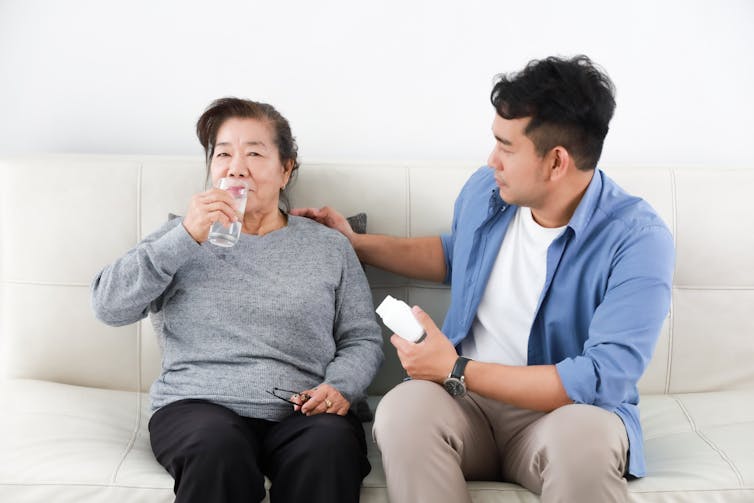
<point x="418" y="417"/>
<point x="564" y="440"/>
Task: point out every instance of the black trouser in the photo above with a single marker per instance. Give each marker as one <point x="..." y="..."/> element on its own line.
<point x="215" y="455"/>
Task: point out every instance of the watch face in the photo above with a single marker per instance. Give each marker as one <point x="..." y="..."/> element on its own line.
<point x="455" y="386"/>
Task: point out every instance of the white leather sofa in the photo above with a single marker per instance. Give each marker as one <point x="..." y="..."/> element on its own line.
<point x="73" y="407"/>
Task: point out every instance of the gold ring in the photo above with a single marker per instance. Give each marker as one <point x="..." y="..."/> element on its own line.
<point x="328" y="403"/>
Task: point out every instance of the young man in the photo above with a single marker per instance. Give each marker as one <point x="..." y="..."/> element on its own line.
<point x="560" y="282"/>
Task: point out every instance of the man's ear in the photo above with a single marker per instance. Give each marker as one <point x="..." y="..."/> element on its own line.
<point x="560" y="162"/>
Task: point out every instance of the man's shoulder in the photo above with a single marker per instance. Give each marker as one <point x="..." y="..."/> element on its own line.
<point x="632" y="211"/>
<point x="482" y="179"/>
<point x="478" y="189"/>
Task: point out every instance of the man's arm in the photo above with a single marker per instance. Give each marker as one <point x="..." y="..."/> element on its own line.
<point x="419" y="258"/>
<point x="535" y="387"/>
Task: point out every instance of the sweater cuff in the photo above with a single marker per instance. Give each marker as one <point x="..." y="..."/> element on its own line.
<point x="174" y="248"/>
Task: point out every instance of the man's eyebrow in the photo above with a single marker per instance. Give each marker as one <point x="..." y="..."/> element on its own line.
<point x="503" y="141"/>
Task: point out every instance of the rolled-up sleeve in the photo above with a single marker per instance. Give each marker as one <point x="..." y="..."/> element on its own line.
<point x="626" y="324"/>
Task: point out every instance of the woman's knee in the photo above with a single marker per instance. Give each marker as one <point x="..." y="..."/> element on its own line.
<point x="202" y="436"/>
<point x="334" y="437"/>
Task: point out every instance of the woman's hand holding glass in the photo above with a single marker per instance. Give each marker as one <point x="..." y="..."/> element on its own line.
<point x="206" y="208"/>
<point x="324" y="399"/>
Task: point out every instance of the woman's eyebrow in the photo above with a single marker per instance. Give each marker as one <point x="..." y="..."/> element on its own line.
<point x="251" y="143"/>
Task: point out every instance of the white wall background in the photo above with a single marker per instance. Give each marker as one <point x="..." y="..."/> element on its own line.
<point x="397" y="80"/>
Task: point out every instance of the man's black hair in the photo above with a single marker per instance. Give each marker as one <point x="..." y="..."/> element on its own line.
<point x="570" y="102"/>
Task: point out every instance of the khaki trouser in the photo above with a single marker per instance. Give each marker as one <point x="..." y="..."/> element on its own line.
<point x="431" y="443"/>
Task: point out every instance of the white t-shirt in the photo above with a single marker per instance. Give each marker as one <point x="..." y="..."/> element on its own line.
<point x="500" y="333"/>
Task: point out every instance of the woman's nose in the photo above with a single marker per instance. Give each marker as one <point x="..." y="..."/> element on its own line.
<point x="237" y="168"/>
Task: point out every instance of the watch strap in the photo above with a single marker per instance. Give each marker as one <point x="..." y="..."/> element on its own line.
<point x="459" y="367"/>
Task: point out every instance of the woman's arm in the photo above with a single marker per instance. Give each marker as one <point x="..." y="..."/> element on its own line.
<point x="124" y="290"/>
<point x="358" y="338"/>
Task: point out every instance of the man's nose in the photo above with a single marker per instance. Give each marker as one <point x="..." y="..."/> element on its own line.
<point x="492" y="161"/>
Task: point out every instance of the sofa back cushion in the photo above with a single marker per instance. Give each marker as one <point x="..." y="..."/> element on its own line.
<point x="62" y="218"/>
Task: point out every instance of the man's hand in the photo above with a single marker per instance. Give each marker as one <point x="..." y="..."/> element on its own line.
<point x="433" y="358"/>
<point x="329" y="217"/>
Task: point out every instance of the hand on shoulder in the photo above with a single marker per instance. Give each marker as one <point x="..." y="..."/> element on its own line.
<point x="327" y="216"/>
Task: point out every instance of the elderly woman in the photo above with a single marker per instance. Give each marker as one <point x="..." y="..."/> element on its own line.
<point x="287" y="308"/>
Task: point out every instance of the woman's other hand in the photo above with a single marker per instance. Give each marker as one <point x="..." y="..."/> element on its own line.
<point x="206" y="208"/>
<point x="324" y="399"/>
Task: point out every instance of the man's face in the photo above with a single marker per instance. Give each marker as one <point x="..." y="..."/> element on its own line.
<point x="520" y="172"/>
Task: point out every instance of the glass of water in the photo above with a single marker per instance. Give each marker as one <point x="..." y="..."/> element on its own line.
<point x="227" y="235"/>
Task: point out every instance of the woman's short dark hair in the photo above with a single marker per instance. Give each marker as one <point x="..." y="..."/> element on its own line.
<point x="223" y="109"/>
<point x="570" y="102"/>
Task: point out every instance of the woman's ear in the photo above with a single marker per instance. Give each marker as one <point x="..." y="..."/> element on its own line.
<point x="287" y="171"/>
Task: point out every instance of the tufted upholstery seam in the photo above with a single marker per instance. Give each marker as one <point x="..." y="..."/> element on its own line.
<point x="44" y="283"/>
<point x="671" y="325"/>
<point x="713" y="288"/>
<point x="709" y="442"/>
<point x="137" y="394"/>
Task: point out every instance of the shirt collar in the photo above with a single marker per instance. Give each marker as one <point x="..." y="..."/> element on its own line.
<point x="496" y="202"/>
<point x="588" y="204"/>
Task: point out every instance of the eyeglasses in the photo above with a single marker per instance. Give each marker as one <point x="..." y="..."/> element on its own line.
<point x="275" y="392"/>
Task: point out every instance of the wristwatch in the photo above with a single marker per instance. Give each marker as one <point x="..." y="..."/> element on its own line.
<point x="455" y="384"/>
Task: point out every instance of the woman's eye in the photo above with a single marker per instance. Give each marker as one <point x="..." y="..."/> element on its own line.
<point x="253" y="154"/>
<point x="222" y="154"/>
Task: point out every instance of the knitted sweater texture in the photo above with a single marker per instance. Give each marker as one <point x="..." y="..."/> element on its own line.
<point x="291" y="309"/>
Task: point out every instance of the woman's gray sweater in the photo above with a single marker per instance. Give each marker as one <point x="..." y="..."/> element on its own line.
<point x="291" y="309"/>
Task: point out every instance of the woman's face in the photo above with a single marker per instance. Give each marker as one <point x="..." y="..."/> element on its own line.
<point x="245" y="149"/>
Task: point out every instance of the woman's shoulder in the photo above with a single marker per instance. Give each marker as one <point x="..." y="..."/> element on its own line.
<point x="312" y="230"/>
<point x="171" y="223"/>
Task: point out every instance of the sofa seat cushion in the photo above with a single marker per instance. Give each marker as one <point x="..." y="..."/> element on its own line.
<point x="698" y="445"/>
<point x="68" y="443"/>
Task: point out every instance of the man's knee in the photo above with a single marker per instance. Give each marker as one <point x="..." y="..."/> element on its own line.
<point x="407" y="412"/>
<point x="587" y="450"/>
<point x="586" y="431"/>
<point x="574" y="453"/>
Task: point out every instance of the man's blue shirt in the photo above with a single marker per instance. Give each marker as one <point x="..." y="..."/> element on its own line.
<point x="605" y="297"/>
